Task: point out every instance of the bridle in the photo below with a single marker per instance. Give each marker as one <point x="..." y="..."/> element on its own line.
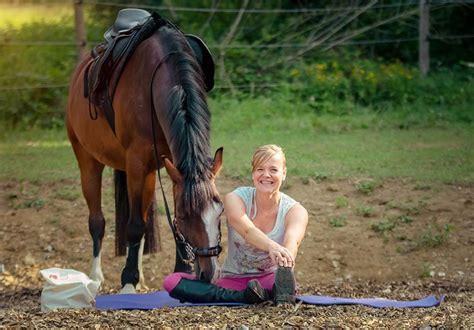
<point x="194" y="252"/>
<point x="191" y="251"/>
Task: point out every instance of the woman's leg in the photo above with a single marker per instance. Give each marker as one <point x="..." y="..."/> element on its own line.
<point x="267" y="281"/>
<point x="240" y="283"/>
<point x="233" y="283"/>
<point x="280" y="286"/>
<point x="172" y="280"/>
<point x="186" y="288"/>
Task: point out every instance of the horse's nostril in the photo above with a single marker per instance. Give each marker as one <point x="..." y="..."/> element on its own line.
<point x="202" y="276"/>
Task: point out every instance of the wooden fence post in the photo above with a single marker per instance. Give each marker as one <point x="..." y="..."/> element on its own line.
<point x="80" y="28"/>
<point x="424" y="44"/>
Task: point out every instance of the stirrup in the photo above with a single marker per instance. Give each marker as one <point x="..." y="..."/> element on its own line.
<point x="285" y="286"/>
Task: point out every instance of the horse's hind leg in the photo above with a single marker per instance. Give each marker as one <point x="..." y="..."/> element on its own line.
<point x="91" y="179"/>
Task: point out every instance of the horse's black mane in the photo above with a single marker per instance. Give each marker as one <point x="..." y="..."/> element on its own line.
<point x="188" y="117"/>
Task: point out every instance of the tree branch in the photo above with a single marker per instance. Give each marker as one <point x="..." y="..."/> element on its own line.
<point x="367" y="28"/>
<point x="215" y="4"/>
<point x="227" y="39"/>
<point x="315" y="43"/>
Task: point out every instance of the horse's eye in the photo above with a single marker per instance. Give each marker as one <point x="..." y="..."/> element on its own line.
<point x="217" y="199"/>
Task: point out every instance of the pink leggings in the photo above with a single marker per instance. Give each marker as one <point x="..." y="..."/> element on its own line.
<point x="235" y="283"/>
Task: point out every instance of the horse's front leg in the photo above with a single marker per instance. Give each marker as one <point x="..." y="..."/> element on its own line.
<point x="91" y="180"/>
<point x="141" y="187"/>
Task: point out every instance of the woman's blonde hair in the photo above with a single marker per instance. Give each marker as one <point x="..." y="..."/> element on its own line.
<point x="264" y="153"/>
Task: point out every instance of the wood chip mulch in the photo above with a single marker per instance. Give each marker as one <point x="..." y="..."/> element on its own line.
<point x="20" y="307"/>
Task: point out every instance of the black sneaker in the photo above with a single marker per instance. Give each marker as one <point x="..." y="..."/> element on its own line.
<point x="255" y="294"/>
<point x="284" y="288"/>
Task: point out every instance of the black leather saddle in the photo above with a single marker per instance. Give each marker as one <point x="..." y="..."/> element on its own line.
<point x="126" y="20"/>
<point x="205" y="59"/>
<point x="131" y="27"/>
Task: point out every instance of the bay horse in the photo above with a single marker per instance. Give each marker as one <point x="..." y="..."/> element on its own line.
<point x="161" y="118"/>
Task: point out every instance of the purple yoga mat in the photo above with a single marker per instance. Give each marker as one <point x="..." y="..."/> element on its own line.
<point x="158" y="299"/>
<point x="430" y="301"/>
<point x="161" y="299"/>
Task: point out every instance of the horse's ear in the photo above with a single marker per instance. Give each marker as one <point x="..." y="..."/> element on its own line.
<point x="217" y="161"/>
<point x="173" y="172"/>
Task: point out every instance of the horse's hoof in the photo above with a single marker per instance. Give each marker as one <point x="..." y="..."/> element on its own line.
<point x="128" y="289"/>
<point x="142" y="286"/>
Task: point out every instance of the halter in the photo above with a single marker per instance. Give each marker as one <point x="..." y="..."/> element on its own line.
<point x="191" y="251"/>
<point x="179" y="238"/>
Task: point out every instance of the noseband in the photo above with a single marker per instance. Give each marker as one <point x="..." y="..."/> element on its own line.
<point x="194" y="252"/>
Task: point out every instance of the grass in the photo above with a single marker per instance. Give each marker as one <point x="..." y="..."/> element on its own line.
<point x="365" y="211"/>
<point x="37" y="156"/>
<point x="338" y="221"/>
<point x="443" y="154"/>
<point x="383" y="226"/>
<point x="341" y="202"/>
<point x="425" y="271"/>
<point x="435" y="235"/>
<point x="68" y="193"/>
<point x="366" y="187"/>
<point x="17" y="15"/>
<point x="390" y="153"/>
<point x="425" y="154"/>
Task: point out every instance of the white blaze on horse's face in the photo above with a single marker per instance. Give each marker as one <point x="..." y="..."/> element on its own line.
<point x="211" y="219"/>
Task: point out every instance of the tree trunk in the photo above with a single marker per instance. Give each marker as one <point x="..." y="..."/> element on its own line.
<point x="424" y="45"/>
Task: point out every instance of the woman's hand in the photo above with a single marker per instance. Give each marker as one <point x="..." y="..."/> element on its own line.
<point x="280" y="255"/>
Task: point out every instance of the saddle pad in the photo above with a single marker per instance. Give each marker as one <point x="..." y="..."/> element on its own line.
<point x="161" y="299"/>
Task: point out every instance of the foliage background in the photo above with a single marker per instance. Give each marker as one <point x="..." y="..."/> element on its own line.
<point x="357" y="109"/>
<point x="370" y="72"/>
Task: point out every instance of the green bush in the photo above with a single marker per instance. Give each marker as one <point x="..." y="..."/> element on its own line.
<point x="380" y="86"/>
<point x="333" y="85"/>
<point x="42" y="65"/>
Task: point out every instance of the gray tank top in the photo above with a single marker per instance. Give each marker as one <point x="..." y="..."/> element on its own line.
<point x="242" y="258"/>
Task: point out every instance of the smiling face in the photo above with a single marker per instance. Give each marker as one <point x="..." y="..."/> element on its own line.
<point x="268" y="174"/>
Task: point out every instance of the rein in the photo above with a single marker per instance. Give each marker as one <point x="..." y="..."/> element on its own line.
<point x="191" y="251"/>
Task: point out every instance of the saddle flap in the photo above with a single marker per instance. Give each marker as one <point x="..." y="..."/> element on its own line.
<point x="127" y="19"/>
<point x="205" y="59"/>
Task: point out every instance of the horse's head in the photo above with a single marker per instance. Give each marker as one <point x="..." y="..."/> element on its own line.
<point x="198" y="208"/>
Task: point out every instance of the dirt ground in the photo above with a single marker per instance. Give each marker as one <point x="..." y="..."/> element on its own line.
<point x="395" y="238"/>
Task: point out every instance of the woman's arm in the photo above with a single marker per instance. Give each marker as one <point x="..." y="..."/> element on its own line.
<point x="234" y="209"/>
<point x="296" y="221"/>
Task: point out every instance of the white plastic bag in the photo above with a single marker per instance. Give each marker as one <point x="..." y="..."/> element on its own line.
<point x="67" y="288"/>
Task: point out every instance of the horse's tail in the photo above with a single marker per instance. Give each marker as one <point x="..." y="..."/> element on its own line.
<point x="122" y="213"/>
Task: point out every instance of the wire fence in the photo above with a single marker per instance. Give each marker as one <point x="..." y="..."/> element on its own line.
<point x="67" y="43"/>
<point x="271" y="11"/>
<point x="247" y="11"/>
<point x="237" y="46"/>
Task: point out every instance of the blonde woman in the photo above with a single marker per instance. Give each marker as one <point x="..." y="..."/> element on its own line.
<point x="265" y="229"/>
